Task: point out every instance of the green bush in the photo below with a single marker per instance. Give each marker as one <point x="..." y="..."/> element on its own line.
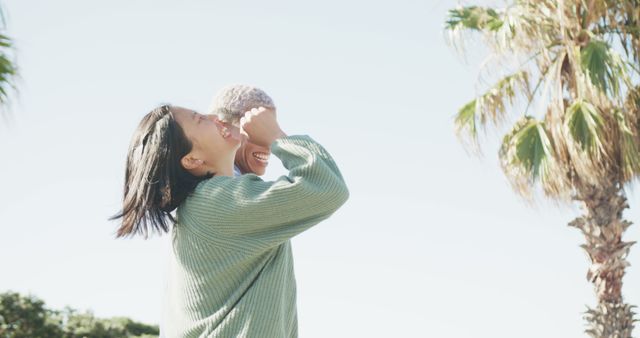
<point x="27" y="317"/>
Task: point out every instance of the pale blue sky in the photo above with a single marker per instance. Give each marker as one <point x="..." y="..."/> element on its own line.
<point x="432" y="243"/>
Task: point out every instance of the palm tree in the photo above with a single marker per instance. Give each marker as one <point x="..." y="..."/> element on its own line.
<point x="569" y="70"/>
<point x="8" y="69"/>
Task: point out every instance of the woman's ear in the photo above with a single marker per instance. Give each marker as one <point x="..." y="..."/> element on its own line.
<point x="190" y="163"/>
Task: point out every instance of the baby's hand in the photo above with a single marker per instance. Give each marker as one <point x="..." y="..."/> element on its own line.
<point x="260" y="126"/>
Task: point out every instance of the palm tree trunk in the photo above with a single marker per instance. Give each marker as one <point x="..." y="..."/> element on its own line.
<point x="603" y="227"/>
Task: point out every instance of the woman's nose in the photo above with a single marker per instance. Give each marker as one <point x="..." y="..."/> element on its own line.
<point x="215" y="120"/>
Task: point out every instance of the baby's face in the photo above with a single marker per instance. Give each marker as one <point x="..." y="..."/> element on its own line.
<point x="251" y="158"/>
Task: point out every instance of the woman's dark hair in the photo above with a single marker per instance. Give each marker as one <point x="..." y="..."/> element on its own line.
<point x="155" y="182"/>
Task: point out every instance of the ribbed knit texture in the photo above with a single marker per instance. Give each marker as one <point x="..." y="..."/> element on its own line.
<point x="231" y="271"/>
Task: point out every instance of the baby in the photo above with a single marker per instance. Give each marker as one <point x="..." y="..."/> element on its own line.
<point x="229" y="105"/>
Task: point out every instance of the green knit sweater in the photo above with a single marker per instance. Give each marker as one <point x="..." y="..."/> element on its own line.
<point x="231" y="270"/>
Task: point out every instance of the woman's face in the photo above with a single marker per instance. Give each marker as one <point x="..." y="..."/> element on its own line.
<point x="251" y="158"/>
<point x="206" y="133"/>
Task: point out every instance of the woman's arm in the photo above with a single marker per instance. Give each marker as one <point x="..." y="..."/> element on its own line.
<point x="272" y="211"/>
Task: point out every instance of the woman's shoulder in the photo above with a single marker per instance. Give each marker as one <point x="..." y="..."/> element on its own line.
<point x="223" y="186"/>
<point x="219" y="198"/>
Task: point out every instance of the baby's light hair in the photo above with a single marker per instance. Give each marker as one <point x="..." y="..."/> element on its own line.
<point x="231" y="102"/>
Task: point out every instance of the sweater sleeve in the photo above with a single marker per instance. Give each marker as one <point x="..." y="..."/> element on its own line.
<point x="273" y="211"/>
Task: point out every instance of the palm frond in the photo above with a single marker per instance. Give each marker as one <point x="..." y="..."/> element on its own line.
<point x="584" y="123"/>
<point x="490" y="107"/>
<point x="8" y="72"/>
<point x="527" y="156"/>
<point x="5" y="41"/>
<point x="628" y="121"/>
<point x="603" y="67"/>
<point x="629" y="146"/>
<point x="473" y="18"/>
<point x="584" y="127"/>
<point x="464" y="20"/>
<point x="632" y="101"/>
<point x="8" y="68"/>
<point x="465" y="121"/>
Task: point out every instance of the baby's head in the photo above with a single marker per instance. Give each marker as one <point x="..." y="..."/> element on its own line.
<point x="230" y="104"/>
<point x="233" y="101"/>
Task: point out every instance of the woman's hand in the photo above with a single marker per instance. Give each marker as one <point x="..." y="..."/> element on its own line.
<point x="260" y="127"/>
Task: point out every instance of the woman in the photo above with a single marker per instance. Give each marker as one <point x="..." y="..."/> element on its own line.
<point x="231" y="272"/>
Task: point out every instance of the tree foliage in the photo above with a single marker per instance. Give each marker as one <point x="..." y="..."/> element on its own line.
<point x="27" y="317"/>
<point x="575" y="67"/>
<point x="8" y="68"/>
